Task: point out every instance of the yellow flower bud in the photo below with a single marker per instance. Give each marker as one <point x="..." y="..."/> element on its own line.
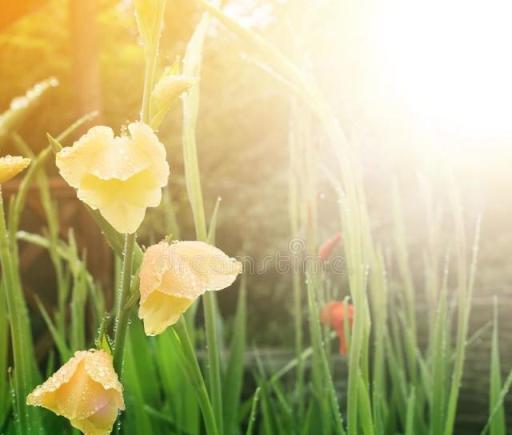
<point x="173" y="275"/>
<point x="165" y="93"/>
<point x="85" y="390"/>
<point x="10" y="166"/>
<point x="22" y="106"/>
<point x="119" y="176"/>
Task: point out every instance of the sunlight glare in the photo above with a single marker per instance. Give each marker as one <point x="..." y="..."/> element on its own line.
<point x="450" y="62"/>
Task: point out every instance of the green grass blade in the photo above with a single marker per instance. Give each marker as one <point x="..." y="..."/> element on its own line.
<point x="409" y="425"/>
<point x="497" y="425"/>
<point x="499" y="402"/>
<point x="439" y="360"/>
<point x="21" y="339"/>
<point x="465" y="283"/>
<point x="254" y="411"/>
<point x="192" y="68"/>
<point x="139" y="376"/>
<point x="59" y="340"/>
<point x="4" y="355"/>
<point x="235" y="368"/>
<point x="181" y="402"/>
<point x="319" y="349"/>
<point x="190" y="365"/>
<point x="213" y="222"/>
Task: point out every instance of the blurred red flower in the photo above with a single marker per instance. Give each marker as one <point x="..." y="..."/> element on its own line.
<point x="333" y="314"/>
<point x="326" y="248"/>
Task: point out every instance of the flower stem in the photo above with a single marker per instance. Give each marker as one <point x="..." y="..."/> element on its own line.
<point x="123" y="312"/>
<point x="192" y="63"/>
<point x="149" y="78"/>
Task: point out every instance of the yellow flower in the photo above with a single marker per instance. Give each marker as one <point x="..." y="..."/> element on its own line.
<point x="120" y="176"/>
<point x="85" y="390"/>
<point x="173" y="275"/>
<point x="10" y="166"/>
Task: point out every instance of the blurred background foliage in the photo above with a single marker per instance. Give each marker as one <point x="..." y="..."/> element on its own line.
<point x="243" y="131"/>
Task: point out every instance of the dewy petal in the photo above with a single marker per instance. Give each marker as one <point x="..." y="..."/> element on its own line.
<point x="148" y="143"/>
<point x="173" y="276"/>
<point x="45" y="394"/>
<point x="86" y="390"/>
<point x="76" y="161"/>
<point x="80" y="396"/>
<point x="99" y="423"/>
<point x="119" y="176"/>
<point x="154" y="264"/>
<point x="100" y="368"/>
<point x="166" y="272"/>
<point x="160" y="310"/>
<point x="10" y="166"/>
<point x="214" y="269"/>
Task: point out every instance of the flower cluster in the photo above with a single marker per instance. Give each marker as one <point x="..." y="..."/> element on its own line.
<point x="121" y="176"/>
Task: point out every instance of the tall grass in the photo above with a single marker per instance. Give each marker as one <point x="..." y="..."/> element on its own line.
<point x="178" y="382"/>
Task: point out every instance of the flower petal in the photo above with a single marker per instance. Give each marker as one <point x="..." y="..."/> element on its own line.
<point x="160" y="310"/>
<point x="119" y="176"/>
<point x="100" y="368"/>
<point x="76" y="161"/>
<point x="166" y="272"/>
<point x="154" y="152"/>
<point x="173" y="276"/>
<point x="86" y="390"/>
<point x="99" y="423"/>
<point x="80" y="396"/>
<point x="214" y="269"/>
<point x="10" y="166"/>
<point x="44" y="394"/>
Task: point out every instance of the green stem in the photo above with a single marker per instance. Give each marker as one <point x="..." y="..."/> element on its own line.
<point x="213" y="357"/>
<point x="193" y="182"/>
<point x="123" y="312"/>
<point x="149" y="78"/>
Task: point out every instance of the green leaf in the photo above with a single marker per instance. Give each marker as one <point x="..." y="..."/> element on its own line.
<point x="254" y="410"/>
<point x="497" y="425"/>
<point x="235" y="369"/>
<point x="59" y="340"/>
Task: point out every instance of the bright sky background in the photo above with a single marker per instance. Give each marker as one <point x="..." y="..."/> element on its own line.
<point x="448" y="64"/>
<point x="434" y="75"/>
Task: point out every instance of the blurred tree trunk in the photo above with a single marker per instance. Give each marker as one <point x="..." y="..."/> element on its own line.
<point x="84" y="57"/>
<point x="88" y="98"/>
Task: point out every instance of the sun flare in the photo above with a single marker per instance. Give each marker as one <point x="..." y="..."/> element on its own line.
<point x="448" y="62"/>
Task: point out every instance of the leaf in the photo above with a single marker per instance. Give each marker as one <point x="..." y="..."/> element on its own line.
<point x="59" y="340"/>
<point x="235" y="369"/>
<point x="497" y="425"/>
